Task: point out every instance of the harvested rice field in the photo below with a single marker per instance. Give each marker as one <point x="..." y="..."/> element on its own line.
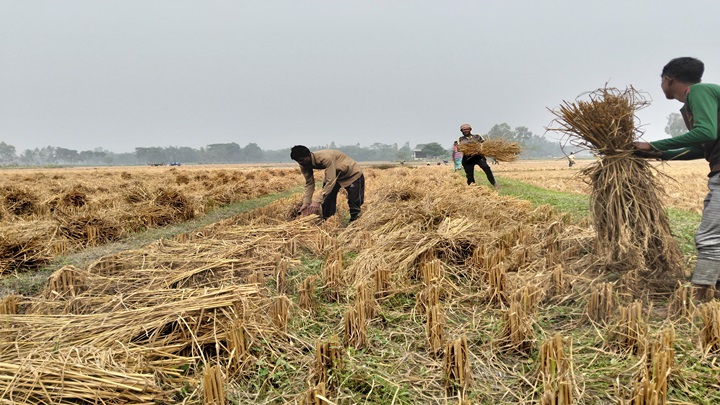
<point x="49" y="212"/>
<point x="438" y="293"/>
<point x="685" y="182"/>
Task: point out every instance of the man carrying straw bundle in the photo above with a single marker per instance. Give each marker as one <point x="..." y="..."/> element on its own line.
<point x="340" y="171"/>
<point x="466" y="143"/>
<point x="681" y="81"/>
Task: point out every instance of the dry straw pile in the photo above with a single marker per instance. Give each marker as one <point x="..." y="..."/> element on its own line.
<point x="46" y="213"/>
<point x="500" y="149"/>
<point x="633" y="230"/>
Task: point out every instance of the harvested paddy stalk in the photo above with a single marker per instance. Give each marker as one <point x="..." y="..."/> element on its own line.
<point x="328" y="358"/>
<point x="64" y="283"/>
<point x="356" y="325"/>
<point x="559" y="285"/>
<point x="426" y="298"/>
<point x="431" y="271"/>
<point x="8" y="305"/>
<point x="633" y="230"/>
<point x="306" y="293"/>
<point x="498" y="285"/>
<point x="528" y="296"/>
<point x="602" y="303"/>
<point x="279" y="312"/>
<point x="517" y="334"/>
<point x="315" y="395"/>
<point x="456" y="368"/>
<point x="630" y="331"/>
<point x="213" y="390"/>
<point x="681" y="304"/>
<point x="332" y="277"/>
<point x="256" y="277"/>
<point x="434" y="327"/>
<point x="650" y="383"/>
<point x="364" y="294"/>
<point x="710" y="332"/>
<point x="555" y="372"/>
<point x="281" y="276"/>
<point x="381" y="279"/>
<point x="238" y="345"/>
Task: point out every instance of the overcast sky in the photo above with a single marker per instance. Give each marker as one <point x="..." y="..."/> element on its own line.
<point x="83" y="74"/>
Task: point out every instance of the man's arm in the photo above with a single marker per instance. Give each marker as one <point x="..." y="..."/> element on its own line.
<point x="309" y="185"/>
<point x="704" y="107"/>
<point x="328" y="182"/>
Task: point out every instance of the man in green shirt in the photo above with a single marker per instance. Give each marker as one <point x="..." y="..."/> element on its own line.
<point x="340" y="171"/>
<point x="681" y="81"/>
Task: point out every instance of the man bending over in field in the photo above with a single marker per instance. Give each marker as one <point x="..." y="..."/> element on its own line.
<point x="681" y="79"/>
<point x="340" y="171"/>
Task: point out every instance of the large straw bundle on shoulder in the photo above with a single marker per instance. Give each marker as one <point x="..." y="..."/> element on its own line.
<point x="633" y="230"/>
<point x="500" y="149"/>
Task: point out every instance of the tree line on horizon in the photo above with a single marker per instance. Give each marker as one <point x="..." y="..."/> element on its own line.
<point x="533" y="146"/>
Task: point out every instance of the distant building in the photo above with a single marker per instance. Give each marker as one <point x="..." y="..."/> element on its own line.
<point x="419" y="154"/>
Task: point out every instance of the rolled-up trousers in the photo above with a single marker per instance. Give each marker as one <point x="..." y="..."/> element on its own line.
<point x="707" y="238"/>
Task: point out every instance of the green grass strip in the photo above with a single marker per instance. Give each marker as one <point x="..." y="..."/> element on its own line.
<point x="683" y="223"/>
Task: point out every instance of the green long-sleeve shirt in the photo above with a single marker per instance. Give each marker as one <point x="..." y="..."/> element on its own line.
<point x="701" y="113"/>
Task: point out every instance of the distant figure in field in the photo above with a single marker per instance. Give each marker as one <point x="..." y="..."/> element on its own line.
<point x="457" y="157"/>
<point x="469" y="162"/>
<point x="571" y="159"/>
<point x="340" y="171"/>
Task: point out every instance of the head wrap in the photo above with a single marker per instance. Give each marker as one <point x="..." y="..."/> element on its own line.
<point x="465" y="126"/>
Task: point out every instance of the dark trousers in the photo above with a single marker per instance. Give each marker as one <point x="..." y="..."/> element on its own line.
<point x="469" y="163"/>
<point x="355" y="196"/>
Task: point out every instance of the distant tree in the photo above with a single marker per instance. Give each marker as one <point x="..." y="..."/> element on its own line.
<point x="522" y="134"/>
<point x="501" y="131"/>
<point x="252" y="153"/>
<point x="676" y="125"/>
<point x="433" y="150"/>
<point x="150" y="155"/>
<point x="405" y="152"/>
<point x="7" y="153"/>
<point x="224" y="152"/>
<point x="66" y="155"/>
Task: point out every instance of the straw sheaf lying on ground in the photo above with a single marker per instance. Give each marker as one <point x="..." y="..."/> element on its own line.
<point x="449" y="222"/>
<point x="500" y="149"/>
<point x="93" y="206"/>
<point x="149" y="313"/>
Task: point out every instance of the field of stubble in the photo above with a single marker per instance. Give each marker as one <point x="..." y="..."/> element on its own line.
<point x="685" y="182"/>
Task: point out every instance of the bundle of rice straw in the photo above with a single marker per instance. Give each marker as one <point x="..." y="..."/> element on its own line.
<point x="633" y="230"/>
<point x="500" y="149"/>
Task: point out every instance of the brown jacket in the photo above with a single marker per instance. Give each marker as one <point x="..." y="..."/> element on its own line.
<point x="339" y="168"/>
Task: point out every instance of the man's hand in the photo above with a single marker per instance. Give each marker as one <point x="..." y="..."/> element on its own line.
<point x="303" y="207"/>
<point x="646" y="151"/>
<point x="313" y="208"/>
<point x="655" y="154"/>
<point x="644" y="146"/>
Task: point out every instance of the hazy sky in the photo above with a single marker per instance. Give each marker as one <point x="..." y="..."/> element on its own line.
<point x="83" y="74"/>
